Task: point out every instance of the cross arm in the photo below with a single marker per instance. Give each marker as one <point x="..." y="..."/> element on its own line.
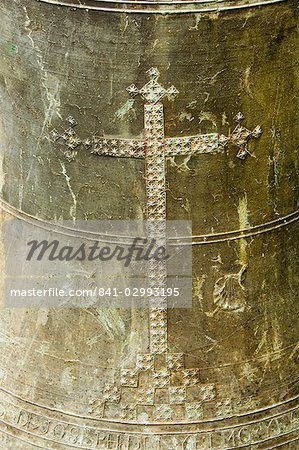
<point x="195" y="145"/>
<point x="120" y="148"/>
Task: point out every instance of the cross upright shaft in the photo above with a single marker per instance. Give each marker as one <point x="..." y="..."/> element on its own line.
<point x="156" y="215"/>
<point x="155" y="162"/>
<point x="155" y="172"/>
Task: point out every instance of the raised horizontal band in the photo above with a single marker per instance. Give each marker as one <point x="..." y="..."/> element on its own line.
<point x="204" y="239"/>
<point x="250" y="418"/>
<point x="160" y="6"/>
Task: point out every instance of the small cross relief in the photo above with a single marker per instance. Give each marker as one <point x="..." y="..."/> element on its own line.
<point x="241" y="136"/>
<point x="152" y="91"/>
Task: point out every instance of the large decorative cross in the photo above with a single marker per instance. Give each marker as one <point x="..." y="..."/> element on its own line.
<point x="164" y="370"/>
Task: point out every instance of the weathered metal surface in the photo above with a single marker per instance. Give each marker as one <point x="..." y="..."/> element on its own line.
<point x="218" y="127"/>
<point x="161" y="6"/>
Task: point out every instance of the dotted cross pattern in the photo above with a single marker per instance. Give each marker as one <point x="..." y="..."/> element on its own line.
<point x="160" y="386"/>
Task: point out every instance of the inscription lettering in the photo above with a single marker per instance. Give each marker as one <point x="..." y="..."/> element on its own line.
<point x="87" y="437"/>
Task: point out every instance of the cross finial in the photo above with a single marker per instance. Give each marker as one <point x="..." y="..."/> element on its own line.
<point x="152" y="91"/>
<point x="241" y="136"/>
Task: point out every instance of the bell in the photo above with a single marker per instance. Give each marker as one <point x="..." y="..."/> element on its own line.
<point x="178" y="110"/>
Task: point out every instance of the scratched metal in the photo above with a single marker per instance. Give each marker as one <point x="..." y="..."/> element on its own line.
<point x="131" y="116"/>
<point x="161" y="6"/>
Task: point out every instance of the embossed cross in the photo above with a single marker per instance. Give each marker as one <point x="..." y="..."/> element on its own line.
<point x="154" y="148"/>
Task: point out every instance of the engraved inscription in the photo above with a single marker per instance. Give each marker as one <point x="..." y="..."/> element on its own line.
<point x="85" y="437"/>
